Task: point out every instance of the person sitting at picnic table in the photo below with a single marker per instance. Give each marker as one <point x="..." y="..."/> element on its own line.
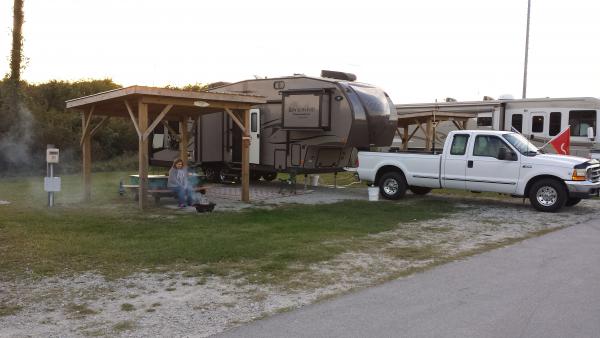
<point x="178" y="183"/>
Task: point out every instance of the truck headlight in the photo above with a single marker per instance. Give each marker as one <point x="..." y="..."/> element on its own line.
<point x="579" y="175"/>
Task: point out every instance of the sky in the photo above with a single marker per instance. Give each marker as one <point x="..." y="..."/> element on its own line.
<point x="417" y="51"/>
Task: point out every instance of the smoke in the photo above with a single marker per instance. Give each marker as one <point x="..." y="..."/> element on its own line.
<point x="15" y="143"/>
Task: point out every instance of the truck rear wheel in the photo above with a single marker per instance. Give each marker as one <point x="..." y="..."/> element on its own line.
<point x="420" y="190"/>
<point x="548" y="195"/>
<point x="392" y="186"/>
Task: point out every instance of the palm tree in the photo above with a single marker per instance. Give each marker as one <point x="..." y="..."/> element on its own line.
<point x="17" y="46"/>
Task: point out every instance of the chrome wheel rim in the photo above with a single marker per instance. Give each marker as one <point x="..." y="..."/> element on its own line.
<point x="546" y="196"/>
<point x="390" y="186"/>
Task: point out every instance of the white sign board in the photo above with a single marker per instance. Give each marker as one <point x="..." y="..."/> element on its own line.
<point x="52" y="155"/>
<point x="51" y="184"/>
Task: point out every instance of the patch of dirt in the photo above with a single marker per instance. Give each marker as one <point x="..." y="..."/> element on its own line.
<point x="176" y="304"/>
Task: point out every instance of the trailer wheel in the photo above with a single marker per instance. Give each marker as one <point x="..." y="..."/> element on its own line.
<point x="392" y="186"/>
<point x="254" y="176"/>
<point x="572" y="201"/>
<point x="223" y="175"/>
<point x="269" y="176"/>
<point x="420" y="190"/>
<point x="548" y="195"/>
<point x="210" y="173"/>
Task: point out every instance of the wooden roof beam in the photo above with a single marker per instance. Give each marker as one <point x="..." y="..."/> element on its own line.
<point x="133" y="119"/>
<point x="237" y="121"/>
<point x="190" y="102"/>
<point x="156" y="121"/>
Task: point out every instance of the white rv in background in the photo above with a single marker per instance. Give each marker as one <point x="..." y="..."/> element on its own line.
<point x="537" y="119"/>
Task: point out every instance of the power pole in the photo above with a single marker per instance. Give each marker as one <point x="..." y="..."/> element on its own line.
<point x="526" y="50"/>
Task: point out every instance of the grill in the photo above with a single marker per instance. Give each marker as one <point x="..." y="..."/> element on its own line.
<point x="593" y="173"/>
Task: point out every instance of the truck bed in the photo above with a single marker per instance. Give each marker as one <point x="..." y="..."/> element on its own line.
<point x="420" y="169"/>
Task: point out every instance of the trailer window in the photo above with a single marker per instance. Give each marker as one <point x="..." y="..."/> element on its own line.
<point x="459" y="145"/>
<point x="555" y="118"/>
<point x="484" y="121"/>
<point x="581" y="120"/>
<point x="517" y="122"/>
<point x="253" y="122"/>
<point x="537" y="124"/>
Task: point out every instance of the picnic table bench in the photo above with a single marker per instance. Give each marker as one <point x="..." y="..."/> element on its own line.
<point x="157" y="194"/>
<point x="157" y="187"/>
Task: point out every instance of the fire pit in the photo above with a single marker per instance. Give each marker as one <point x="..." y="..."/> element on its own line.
<point x="204" y="207"/>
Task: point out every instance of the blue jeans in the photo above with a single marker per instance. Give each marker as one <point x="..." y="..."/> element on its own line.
<point x="184" y="194"/>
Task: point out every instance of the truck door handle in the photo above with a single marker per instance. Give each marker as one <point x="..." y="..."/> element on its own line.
<point x="470" y="164"/>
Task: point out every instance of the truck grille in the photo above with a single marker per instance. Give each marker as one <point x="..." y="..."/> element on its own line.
<point x="594" y="174"/>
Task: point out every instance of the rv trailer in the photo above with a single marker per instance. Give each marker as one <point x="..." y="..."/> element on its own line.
<point x="537" y="119"/>
<point x="308" y="125"/>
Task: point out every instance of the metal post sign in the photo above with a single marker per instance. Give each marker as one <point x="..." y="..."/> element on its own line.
<point x="52" y="184"/>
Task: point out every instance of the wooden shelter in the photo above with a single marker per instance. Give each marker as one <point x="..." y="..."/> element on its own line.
<point x="426" y="117"/>
<point x="146" y="107"/>
<point x="430" y="120"/>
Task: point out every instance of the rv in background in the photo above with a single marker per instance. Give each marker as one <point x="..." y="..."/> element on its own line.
<point x="308" y="125"/>
<point x="537" y="119"/>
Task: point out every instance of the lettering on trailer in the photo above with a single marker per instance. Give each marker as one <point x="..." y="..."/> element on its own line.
<point x="302" y="111"/>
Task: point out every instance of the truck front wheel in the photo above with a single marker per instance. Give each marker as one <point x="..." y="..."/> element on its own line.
<point x="392" y="186"/>
<point x="548" y="195"/>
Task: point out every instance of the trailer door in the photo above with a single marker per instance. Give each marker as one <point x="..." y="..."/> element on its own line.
<point x="255" y="136"/>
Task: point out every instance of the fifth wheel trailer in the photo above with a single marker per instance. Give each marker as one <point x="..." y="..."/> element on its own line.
<point x="308" y="125"/>
<point x="537" y="119"/>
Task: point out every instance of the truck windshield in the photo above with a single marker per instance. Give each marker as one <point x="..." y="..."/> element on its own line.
<point x="373" y="99"/>
<point x="521" y="144"/>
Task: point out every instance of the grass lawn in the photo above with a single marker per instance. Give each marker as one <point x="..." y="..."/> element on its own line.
<point x="112" y="238"/>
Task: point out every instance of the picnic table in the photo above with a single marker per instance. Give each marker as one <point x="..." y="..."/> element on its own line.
<point x="157" y="186"/>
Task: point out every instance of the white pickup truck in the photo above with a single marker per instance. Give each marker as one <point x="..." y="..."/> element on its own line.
<point x="478" y="161"/>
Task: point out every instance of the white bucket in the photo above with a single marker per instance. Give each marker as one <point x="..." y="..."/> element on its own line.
<point x="314" y="180"/>
<point x="373" y="193"/>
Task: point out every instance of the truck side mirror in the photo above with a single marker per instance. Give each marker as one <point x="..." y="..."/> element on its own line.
<point x="590" y="133"/>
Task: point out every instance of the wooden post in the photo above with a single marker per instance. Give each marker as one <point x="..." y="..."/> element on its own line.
<point x="428" y="134"/>
<point x="405" y="137"/>
<point x="86" y="156"/>
<point x="86" y="150"/>
<point x="246" y="157"/>
<point x="143" y="154"/>
<point x="184" y="140"/>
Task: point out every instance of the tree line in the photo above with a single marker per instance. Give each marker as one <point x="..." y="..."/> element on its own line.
<point x="43" y="119"/>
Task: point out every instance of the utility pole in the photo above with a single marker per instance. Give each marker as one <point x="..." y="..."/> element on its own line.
<point x="526" y="50"/>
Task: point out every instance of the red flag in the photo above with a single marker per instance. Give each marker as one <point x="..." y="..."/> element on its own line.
<point x="562" y="142"/>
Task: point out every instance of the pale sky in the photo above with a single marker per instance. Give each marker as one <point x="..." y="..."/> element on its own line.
<point x="417" y="51"/>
